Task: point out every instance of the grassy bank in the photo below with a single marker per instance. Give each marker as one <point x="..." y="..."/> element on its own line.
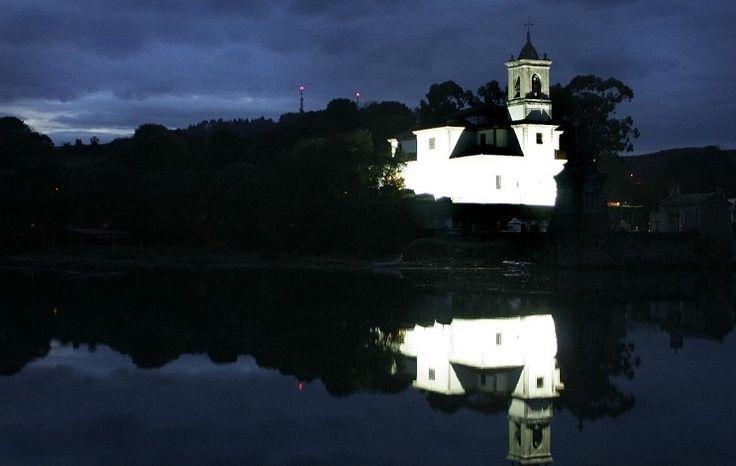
<point x="419" y="254"/>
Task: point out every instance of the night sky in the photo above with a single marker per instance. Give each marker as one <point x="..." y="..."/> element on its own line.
<point x="75" y="68"/>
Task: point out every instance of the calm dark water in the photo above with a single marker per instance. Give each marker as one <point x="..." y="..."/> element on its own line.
<point x="320" y="368"/>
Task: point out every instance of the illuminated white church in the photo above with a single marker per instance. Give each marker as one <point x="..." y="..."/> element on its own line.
<point x="487" y="157"/>
<point x="513" y="356"/>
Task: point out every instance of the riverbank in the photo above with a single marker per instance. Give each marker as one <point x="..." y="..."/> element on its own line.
<point x="434" y="254"/>
<point x="163" y="259"/>
<point x="504" y="251"/>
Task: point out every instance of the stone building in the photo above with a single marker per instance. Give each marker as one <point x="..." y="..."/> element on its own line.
<point x="705" y="212"/>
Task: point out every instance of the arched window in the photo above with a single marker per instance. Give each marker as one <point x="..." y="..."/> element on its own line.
<point x="536" y="86"/>
<point x="517" y="88"/>
<point x="536" y="436"/>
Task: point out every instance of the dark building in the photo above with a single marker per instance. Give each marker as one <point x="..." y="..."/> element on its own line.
<point x="705" y="212"/>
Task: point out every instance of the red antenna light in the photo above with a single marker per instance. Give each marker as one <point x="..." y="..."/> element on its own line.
<point x="301" y="98"/>
<point x="357" y="97"/>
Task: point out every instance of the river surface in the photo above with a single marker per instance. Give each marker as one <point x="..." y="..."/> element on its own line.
<point x="305" y="367"/>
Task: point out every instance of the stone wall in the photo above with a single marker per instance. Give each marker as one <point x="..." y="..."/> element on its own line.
<point x="638" y="250"/>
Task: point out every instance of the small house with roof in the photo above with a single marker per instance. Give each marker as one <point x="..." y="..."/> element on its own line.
<point x="704" y="212"/>
<point x="501" y="155"/>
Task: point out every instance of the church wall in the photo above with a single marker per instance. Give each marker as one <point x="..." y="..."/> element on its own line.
<point x="540" y="342"/>
<point x="527" y="136"/>
<point x="432" y="347"/>
<point x="445" y="140"/>
<point x="471" y="345"/>
<point x="473" y="180"/>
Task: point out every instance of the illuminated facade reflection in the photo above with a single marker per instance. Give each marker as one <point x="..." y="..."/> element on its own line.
<point x="493" y="359"/>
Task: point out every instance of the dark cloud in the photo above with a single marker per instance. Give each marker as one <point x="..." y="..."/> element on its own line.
<point x="195" y="55"/>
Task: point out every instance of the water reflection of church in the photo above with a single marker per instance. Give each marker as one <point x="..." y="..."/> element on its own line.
<point x="486" y="361"/>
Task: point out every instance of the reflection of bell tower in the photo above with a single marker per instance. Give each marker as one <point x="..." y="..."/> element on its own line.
<point x="529" y="431"/>
<point x="528" y="86"/>
<point x="481" y="362"/>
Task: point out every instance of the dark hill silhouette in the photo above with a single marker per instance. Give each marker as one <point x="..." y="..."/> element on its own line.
<point x="646" y="179"/>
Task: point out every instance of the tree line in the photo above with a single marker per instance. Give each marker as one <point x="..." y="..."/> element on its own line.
<point x="313" y="182"/>
<point x="318" y="181"/>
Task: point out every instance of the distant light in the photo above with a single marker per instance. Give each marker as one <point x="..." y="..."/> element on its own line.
<point x="301" y="88"/>
<point x="300" y="386"/>
<point x="357" y="94"/>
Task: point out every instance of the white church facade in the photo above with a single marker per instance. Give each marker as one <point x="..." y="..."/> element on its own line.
<point x="516" y="356"/>
<point x="486" y="156"/>
<point x="497" y="358"/>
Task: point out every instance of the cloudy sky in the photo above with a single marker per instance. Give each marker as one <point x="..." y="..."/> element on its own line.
<point x="74" y="68"/>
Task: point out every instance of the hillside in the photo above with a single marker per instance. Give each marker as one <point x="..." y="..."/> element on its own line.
<point x="645" y="179"/>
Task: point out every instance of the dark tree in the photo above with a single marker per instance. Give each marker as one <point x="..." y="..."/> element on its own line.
<point x="385" y="120"/>
<point x="154" y="147"/>
<point x="443" y="99"/>
<point x="586" y="107"/>
<point x="341" y="115"/>
<point x="490" y="94"/>
<point x="18" y="141"/>
<point x="225" y="147"/>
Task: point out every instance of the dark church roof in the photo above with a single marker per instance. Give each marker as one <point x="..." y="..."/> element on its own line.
<point x="512" y="149"/>
<point x="528" y="51"/>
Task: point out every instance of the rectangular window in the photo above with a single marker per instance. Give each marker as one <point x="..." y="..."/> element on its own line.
<point x="539" y="138"/>
<point x="501" y="138"/>
<point x="431" y="374"/>
<point x="482" y="139"/>
<point x="483" y="379"/>
<point x="498" y="181"/>
<point x="540" y="382"/>
<point x="431" y="143"/>
<point x="498" y="338"/>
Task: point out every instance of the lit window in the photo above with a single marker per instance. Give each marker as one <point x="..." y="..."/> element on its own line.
<point x="540" y="382"/>
<point x="431" y="143"/>
<point x="536" y="86"/>
<point x="498" y="338"/>
<point x="431" y="374"/>
<point x="539" y="138"/>
<point x="498" y="181"/>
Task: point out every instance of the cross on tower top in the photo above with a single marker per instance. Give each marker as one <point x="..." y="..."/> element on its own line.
<point x="528" y="25"/>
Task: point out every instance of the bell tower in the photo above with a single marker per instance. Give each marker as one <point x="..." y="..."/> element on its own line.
<point x="529" y="431"/>
<point x="528" y="85"/>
